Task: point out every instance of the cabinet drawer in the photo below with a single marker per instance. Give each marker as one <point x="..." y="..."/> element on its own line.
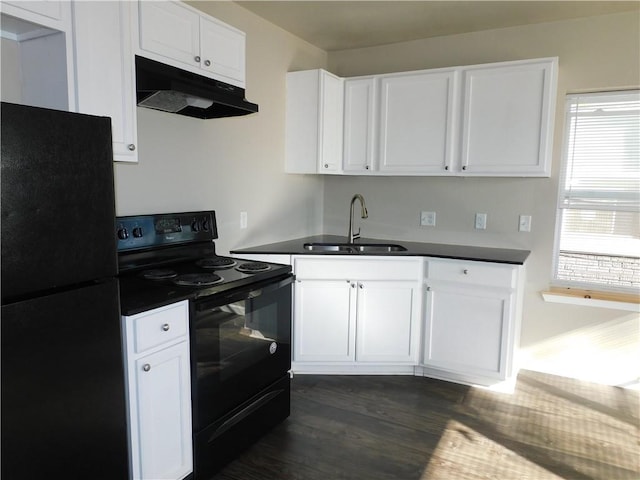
<point x="378" y="268"/>
<point x="159" y="326"/>
<point x="478" y="273"/>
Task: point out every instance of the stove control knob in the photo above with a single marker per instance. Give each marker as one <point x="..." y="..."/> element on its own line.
<point x="205" y="225"/>
<point x="123" y="233"/>
<point x="195" y="226"/>
<point x="137" y="232"/>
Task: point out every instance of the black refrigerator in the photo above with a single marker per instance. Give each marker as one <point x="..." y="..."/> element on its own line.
<point x="62" y="399"/>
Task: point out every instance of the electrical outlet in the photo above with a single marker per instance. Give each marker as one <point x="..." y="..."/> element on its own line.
<point x="524" y="224"/>
<point x="481" y="221"/>
<point x="243" y="219"/>
<point x="428" y="219"/>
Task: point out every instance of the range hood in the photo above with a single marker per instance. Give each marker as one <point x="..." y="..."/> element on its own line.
<point x="169" y="89"/>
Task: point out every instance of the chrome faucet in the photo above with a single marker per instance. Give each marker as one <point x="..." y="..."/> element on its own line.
<point x="363" y="214"/>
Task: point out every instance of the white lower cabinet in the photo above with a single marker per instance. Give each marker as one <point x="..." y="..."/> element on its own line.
<point x="356" y="315"/>
<point x="456" y="320"/>
<point x="324" y="321"/>
<point x="471" y="320"/>
<point x="159" y="392"/>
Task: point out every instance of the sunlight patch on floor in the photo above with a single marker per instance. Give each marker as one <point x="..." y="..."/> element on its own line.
<point x="564" y="424"/>
<point x="464" y="453"/>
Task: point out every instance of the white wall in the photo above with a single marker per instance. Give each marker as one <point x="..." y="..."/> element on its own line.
<point x="230" y="164"/>
<point x="11" y="71"/>
<point x="595" y="53"/>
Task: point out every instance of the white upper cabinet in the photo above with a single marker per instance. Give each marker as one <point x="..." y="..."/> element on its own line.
<point x="480" y="120"/>
<point x="314" y="122"/>
<point x="360" y="106"/>
<point x="51" y="13"/>
<point x="222" y="50"/>
<point x="38" y="62"/>
<point x="181" y="36"/>
<point x="508" y="117"/>
<point x="105" y="72"/>
<point x="416" y="122"/>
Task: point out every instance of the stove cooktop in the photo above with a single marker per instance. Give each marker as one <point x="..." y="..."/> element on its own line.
<point x="144" y="288"/>
<point x="165" y="258"/>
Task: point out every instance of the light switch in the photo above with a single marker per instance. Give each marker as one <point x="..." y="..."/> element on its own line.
<point x="243" y="219"/>
<point x="428" y="219"/>
<point x="524" y="224"/>
<point x="481" y="221"/>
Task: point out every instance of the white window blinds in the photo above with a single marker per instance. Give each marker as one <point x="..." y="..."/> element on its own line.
<point x="599" y="199"/>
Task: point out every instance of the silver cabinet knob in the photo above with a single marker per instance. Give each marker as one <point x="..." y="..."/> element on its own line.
<point x="446" y="167"/>
<point x="165" y="327"/>
<point x="428" y="289"/>
<point x="197" y="58"/>
<point x="131" y="147"/>
<point x="366" y="167"/>
<point x="465" y="271"/>
<point x="146" y="367"/>
<point x="326" y="165"/>
<point x="464" y="167"/>
<point x="360" y="285"/>
<point x="353" y="285"/>
<point x="207" y="63"/>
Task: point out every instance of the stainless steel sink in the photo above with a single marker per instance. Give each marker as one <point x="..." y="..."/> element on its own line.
<point x="355" y="247"/>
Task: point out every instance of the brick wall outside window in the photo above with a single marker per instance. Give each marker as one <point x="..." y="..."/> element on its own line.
<point x="599" y="269"/>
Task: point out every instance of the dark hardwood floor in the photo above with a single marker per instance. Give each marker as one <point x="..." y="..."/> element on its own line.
<point x="412" y="428"/>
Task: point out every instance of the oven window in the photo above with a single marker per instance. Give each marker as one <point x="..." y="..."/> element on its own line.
<point x="239" y="348"/>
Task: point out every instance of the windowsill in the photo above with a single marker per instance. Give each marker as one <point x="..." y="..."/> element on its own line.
<point x="593" y="298"/>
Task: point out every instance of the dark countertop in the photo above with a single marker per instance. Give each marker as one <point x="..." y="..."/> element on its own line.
<point x="414" y="249"/>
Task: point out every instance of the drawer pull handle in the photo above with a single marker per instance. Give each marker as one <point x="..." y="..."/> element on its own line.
<point x="146" y="367"/>
<point x="166" y="327"/>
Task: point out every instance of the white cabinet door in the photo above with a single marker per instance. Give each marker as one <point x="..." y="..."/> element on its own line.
<point x="359" y="125"/>
<point x="387" y="322"/>
<point x="105" y="72"/>
<point x="467" y="329"/>
<point x="314" y="122"/>
<point x="331" y="122"/>
<point x="508" y="116"/>
<point x="416" y="122"/>
<point x="164" y="414"/>
<point x="222" y="51"/>
<point x="171" y="30"/>
<point x="324" y="321"/>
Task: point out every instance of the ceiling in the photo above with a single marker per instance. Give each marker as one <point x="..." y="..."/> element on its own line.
<point x="345" y="24"/>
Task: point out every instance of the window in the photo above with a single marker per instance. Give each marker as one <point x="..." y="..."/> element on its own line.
<point x="598" y="223"/>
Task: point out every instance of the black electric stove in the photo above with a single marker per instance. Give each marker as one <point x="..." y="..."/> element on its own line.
<point x="239" y="326"/>
<point x="166" y="258"/>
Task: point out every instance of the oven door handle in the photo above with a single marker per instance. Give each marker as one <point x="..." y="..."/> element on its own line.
<point x="250" y="291"/>
<point x="244" y="413"/>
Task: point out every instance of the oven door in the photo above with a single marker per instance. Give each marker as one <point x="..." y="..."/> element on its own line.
<point x="240" y="344"/>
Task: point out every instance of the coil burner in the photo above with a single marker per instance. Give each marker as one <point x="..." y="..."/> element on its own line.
<point x="159" y="274"/>
<point x="253" y="267"/>
<point x="198" y="279"/>
<point x="217" y="263"/>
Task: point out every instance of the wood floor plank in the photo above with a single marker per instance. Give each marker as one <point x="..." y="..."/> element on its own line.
<point x="413" y="428"/>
